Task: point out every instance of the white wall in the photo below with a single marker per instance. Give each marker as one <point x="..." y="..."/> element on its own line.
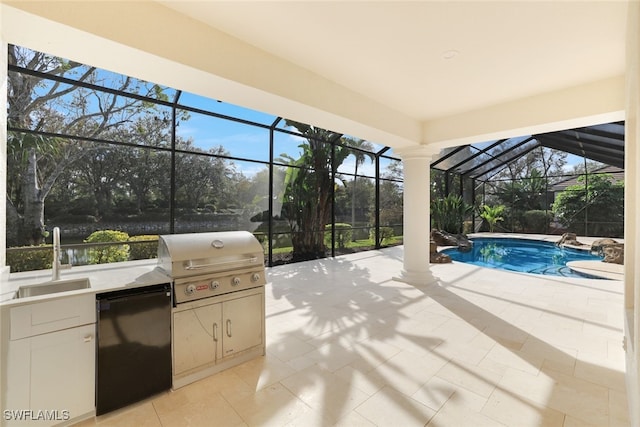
<point x="4" y="271"/>
<point x="632" y="213"/>
<point x="583" y="105"/>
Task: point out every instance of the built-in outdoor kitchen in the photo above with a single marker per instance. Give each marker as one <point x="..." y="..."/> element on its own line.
<point x="99" y="338"/>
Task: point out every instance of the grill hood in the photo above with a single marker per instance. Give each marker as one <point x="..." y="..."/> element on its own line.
<point x="184" y="255"/>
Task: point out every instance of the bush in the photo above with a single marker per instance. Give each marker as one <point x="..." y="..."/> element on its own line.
<point x="344" y="233"/>
<point x="492" y="215"/>
<point x="385" y="233"/>
<point x="536" y="221"/>
<point x="601" y="203"/>
<point x="112" y="253"/>
<point x="36" y="258"/>
<point x="147" y="250"/>
<point x="448" y="214"/>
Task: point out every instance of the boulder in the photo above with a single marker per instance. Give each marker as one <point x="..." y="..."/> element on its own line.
<point x="614" y="254"/>
<point x="436" y="257"/>
<point x="464" y="244"/>
<point x="439" y="258"/>
<point x="599" y="245"/>
<point x="442" y="238"/>
<point x="569" y="239"/>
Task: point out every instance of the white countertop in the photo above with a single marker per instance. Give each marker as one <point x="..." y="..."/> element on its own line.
<point x="103" y="278"/>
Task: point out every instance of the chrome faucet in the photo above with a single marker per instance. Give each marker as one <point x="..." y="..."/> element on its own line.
<point x="56" y="265"/>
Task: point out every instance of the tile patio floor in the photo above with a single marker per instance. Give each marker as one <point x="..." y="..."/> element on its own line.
<point x="349" y="346"/>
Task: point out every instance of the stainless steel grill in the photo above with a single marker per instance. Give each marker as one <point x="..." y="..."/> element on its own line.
<point x="218" y="290"/>
<point x="204" y="265"/>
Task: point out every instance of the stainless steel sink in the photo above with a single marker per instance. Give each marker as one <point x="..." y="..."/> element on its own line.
<point x="52" y="287"/>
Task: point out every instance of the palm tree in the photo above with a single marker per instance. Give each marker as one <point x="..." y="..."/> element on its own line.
<point x="308" y="189"/>
<point x="492" y="214"/>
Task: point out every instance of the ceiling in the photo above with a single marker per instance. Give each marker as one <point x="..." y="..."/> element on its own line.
<point x="405" y="74"/>
<point x="430" y="59"/>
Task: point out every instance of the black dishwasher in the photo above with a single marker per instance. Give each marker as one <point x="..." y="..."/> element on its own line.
<point x="134" y="345"/>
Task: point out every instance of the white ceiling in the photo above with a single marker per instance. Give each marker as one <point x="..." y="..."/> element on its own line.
<point x="394" y="52"/>
<point x="376" y="70"/>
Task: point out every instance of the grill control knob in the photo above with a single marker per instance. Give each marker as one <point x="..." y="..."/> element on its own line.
<point x="214" y="285"/>
<point x="235" y="281"/>
<point x="255" y="277"/>
<point x="190" y="289"/>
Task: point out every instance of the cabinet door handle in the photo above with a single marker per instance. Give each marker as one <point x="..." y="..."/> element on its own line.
<point x="215" y="331"/>
<point x="229" y="328"/>
<point x="88" y="338"/>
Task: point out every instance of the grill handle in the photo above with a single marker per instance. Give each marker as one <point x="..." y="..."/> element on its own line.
<point x="189" y="264"/>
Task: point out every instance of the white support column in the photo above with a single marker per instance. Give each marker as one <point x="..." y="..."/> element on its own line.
<point x="632" y="213"/>
<point x="4" y="270"/>
<point x="416" y="163"/>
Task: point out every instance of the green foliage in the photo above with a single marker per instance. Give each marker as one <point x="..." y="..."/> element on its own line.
<point x="36" y="258"/>
<point x="147" y="250"/>
<point x="111" y="253"/>
<point x="308" y="184"/>
<point x="600" y="204"/>
<point x="492" y="214"/>
<point x="521" y="195"/>
<point x="386" y="233"/>
<point x="536" y="221"/>
<point x="391" y="200"/>
<point x="449" y="213"/>
<point x="344" y="232"/>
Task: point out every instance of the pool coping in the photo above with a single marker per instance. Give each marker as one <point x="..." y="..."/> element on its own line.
<point x="602" y="269"/>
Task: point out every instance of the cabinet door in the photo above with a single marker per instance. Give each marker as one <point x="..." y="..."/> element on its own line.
<point x="63" y="371"/>
<point x="243" y="320"/>
<point x="197" y="334"/>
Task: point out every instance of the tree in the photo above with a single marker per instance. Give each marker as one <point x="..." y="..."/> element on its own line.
<point x="391" y="196"/>
<point x="143" y="168"/>
<point x="523" y="194"/>
<point x="521" y="185"/>
<point x="548" y="161"/>
<point x="308" y="187"/>
<point x="42" y="107"/>
<point x="594" y="207"/>
<point x="360" y="157"/>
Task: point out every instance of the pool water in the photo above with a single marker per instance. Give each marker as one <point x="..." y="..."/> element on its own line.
<point x="525" y="256"/>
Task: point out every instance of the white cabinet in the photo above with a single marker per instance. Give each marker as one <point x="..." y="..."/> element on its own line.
<point x="242" y="326"/>
<point x="50" y="369"/>
<point x="215" y="333"/>
<point x="196" y="337"/>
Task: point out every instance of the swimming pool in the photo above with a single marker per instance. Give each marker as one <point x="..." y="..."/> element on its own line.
<point x="522" y="255"/>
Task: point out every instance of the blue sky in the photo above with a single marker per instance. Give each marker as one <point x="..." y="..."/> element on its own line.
<point x="247" y="141"/>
